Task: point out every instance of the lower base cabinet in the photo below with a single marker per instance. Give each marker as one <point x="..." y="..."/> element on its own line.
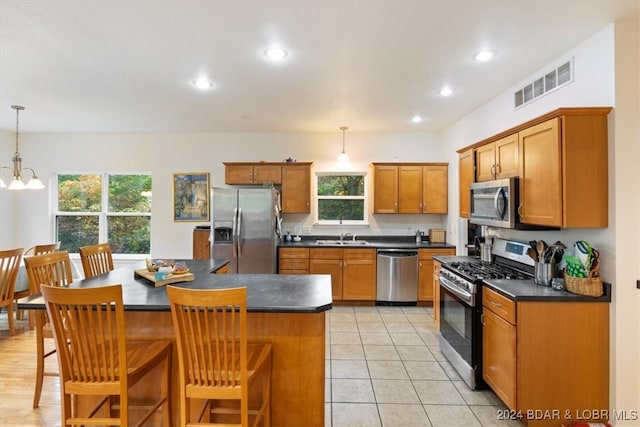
<point x="547" y="361"/>
<point x="293" y="261"/>
<point x="353" y="271"/>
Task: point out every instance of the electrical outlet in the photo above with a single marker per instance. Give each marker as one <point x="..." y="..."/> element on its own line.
<point x="306" y="229"/>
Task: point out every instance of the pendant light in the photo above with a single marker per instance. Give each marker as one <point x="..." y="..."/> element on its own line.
<point x="343" y="157"/>
<point x="17" y="183"/>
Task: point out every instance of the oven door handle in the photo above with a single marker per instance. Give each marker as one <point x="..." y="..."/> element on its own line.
<point x="466" y="297"/>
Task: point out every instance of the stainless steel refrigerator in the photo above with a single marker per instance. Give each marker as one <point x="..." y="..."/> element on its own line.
<point x="246" y="228"/>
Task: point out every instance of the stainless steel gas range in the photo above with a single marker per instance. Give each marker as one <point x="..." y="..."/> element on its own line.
<point x="461" y="280"/>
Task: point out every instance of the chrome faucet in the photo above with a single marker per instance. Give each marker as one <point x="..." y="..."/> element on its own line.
<point x="343" y="235"/>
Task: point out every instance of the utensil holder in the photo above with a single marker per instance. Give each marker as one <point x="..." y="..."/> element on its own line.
<point x="485" y="252"/>
<point x="544" y="273"/>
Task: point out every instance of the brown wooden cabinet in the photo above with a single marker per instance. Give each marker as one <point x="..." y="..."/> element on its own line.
<point x="466" y="171"/>
<point x="328" y="261"/>
<point x="562" y="165"/>
<point x="252" y="173"/>
<point x="293" y="260"/>
<point x="411" y="188"/>
<point x="427" y="274"/>
<point x="359" y="274"/>
<point x="385" y="189"/>
<point x="201" y="244"/>
<point x="352" y="270"/>
<point x="544" y="356"/>
<point x="498" y="159"/>
<point x="564" y="180"/>
<point x="435" y="189"/>
<point x="296" y="188"/>
<point x="294" y="178"/>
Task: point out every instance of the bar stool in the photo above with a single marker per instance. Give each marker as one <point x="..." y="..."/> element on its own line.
<point x="96" y="259"/>
<point x="34" y="250"/>
<point x="9" y="265"/>
<point x="96" y="359"/>
<point x="53" y="269"/>
<point x="216" y="362"/>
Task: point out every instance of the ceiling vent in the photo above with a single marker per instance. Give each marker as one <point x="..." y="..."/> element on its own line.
<point x="553" y="80"/>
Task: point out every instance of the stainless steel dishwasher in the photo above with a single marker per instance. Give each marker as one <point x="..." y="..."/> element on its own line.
<point x="397" y="276"/>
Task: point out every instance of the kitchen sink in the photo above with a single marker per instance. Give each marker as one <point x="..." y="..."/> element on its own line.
<point x="342" y="242"/>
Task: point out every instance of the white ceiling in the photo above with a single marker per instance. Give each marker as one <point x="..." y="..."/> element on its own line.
<point x="126" y="66"/>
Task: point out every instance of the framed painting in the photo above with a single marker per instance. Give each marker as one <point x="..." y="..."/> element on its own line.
<point x="191" y="196"/>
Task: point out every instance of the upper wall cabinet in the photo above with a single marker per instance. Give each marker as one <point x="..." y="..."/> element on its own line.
<point x="295" y="179"/>
<point x="410" y="188"/>
<point x="497" y="160"/>
<point x="564" y="180"/>
<point x="466" y="170"/>
<point x="296" y="188"/>
<point x="562" y="165"/>
<point x="252" y="173"/>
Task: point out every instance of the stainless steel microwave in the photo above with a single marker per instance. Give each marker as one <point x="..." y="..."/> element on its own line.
<point x="494" y="203"/>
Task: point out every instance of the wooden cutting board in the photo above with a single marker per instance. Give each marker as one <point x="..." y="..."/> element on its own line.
<point x="171" y="278"/>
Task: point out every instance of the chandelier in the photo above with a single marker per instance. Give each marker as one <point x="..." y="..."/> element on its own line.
<point x="17" y="183"/>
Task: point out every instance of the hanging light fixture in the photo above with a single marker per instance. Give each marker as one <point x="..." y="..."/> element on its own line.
<point x="343" y="157"/>
<point x="17" y="183"/>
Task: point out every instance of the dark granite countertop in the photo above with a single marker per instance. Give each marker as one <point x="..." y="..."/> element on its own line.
<point x="527" y="290"/>
<point x="373" y="242"/>
<point x="265" y="292"/>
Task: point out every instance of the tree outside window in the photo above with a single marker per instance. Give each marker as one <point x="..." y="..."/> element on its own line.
<point x="341" y="198"/>
<point x="94" y="208"/>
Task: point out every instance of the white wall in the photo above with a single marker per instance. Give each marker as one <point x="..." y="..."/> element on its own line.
<point x="606" y="74"/>
<point x="25" y="216"/>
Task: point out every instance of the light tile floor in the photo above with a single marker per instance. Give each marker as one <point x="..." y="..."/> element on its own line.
<point x="384" y="368"/>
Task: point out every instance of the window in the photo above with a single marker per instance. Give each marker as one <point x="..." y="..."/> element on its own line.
<point x="341" y="198"/>
<point x="94" y="208"/>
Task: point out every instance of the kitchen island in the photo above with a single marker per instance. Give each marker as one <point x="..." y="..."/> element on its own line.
<point x="287" y="311"/>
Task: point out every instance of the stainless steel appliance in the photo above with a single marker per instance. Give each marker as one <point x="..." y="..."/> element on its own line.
<point x="397" y="276"/>
<point x="494" y="203"/>
<point x="245" y="228"/>
<point x="461" y="303"/>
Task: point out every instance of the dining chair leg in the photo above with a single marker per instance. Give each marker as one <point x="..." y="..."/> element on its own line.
<point x="165" y="389"/>
<point x="10" y="315"/>
<point x="39" y="361"/>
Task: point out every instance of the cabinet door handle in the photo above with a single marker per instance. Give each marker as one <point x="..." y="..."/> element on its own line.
<point x="495" y="304"/>
<point x="482" y="319"/>
<point x="493" y="170"/>
<point x="497" y="165"/>
<point x="520" y="209"/>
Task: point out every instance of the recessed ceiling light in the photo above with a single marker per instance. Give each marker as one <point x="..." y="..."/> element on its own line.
<point x="484" y="55"/>
<point x="202" y="83"/>
<point x="416" y="119"/>
<point x="445" y="91"/>
<point x="275" y="53"/>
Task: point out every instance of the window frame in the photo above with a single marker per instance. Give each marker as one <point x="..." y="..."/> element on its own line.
<point x="104" y="213"/>
<point x="364" y="198"/>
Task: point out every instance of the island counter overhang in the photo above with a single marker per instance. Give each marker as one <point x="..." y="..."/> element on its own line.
<point x="286" y="310"/>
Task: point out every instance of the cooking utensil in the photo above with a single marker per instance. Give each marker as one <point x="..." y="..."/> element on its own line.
<point x="533" y="254"/>
<point x="540" y="247"/>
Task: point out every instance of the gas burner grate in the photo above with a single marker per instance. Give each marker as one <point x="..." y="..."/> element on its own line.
<point x="487" y="270"/>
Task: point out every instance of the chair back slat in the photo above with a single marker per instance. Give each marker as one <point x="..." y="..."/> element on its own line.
<point x="96" y="259"/>
<point x="53" y="269"/>
<point x="42" y="249"/>
<point x="211" y="335"/>
<point x="9" y="266"/>
<point x="88" y="320"/>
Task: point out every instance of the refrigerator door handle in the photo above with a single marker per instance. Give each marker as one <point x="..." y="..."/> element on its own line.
<point x="234" y="233"/>
<point x="239" y="231"/>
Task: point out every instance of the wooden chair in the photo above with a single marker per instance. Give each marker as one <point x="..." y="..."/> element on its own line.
<point x="94" y="355"/>
<point x="9" y="265"/>
<point x="216" y="362"/>
<point x="34" y="250"/>
<point x="53" y="269"/>
<point x="96" y="259"/>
